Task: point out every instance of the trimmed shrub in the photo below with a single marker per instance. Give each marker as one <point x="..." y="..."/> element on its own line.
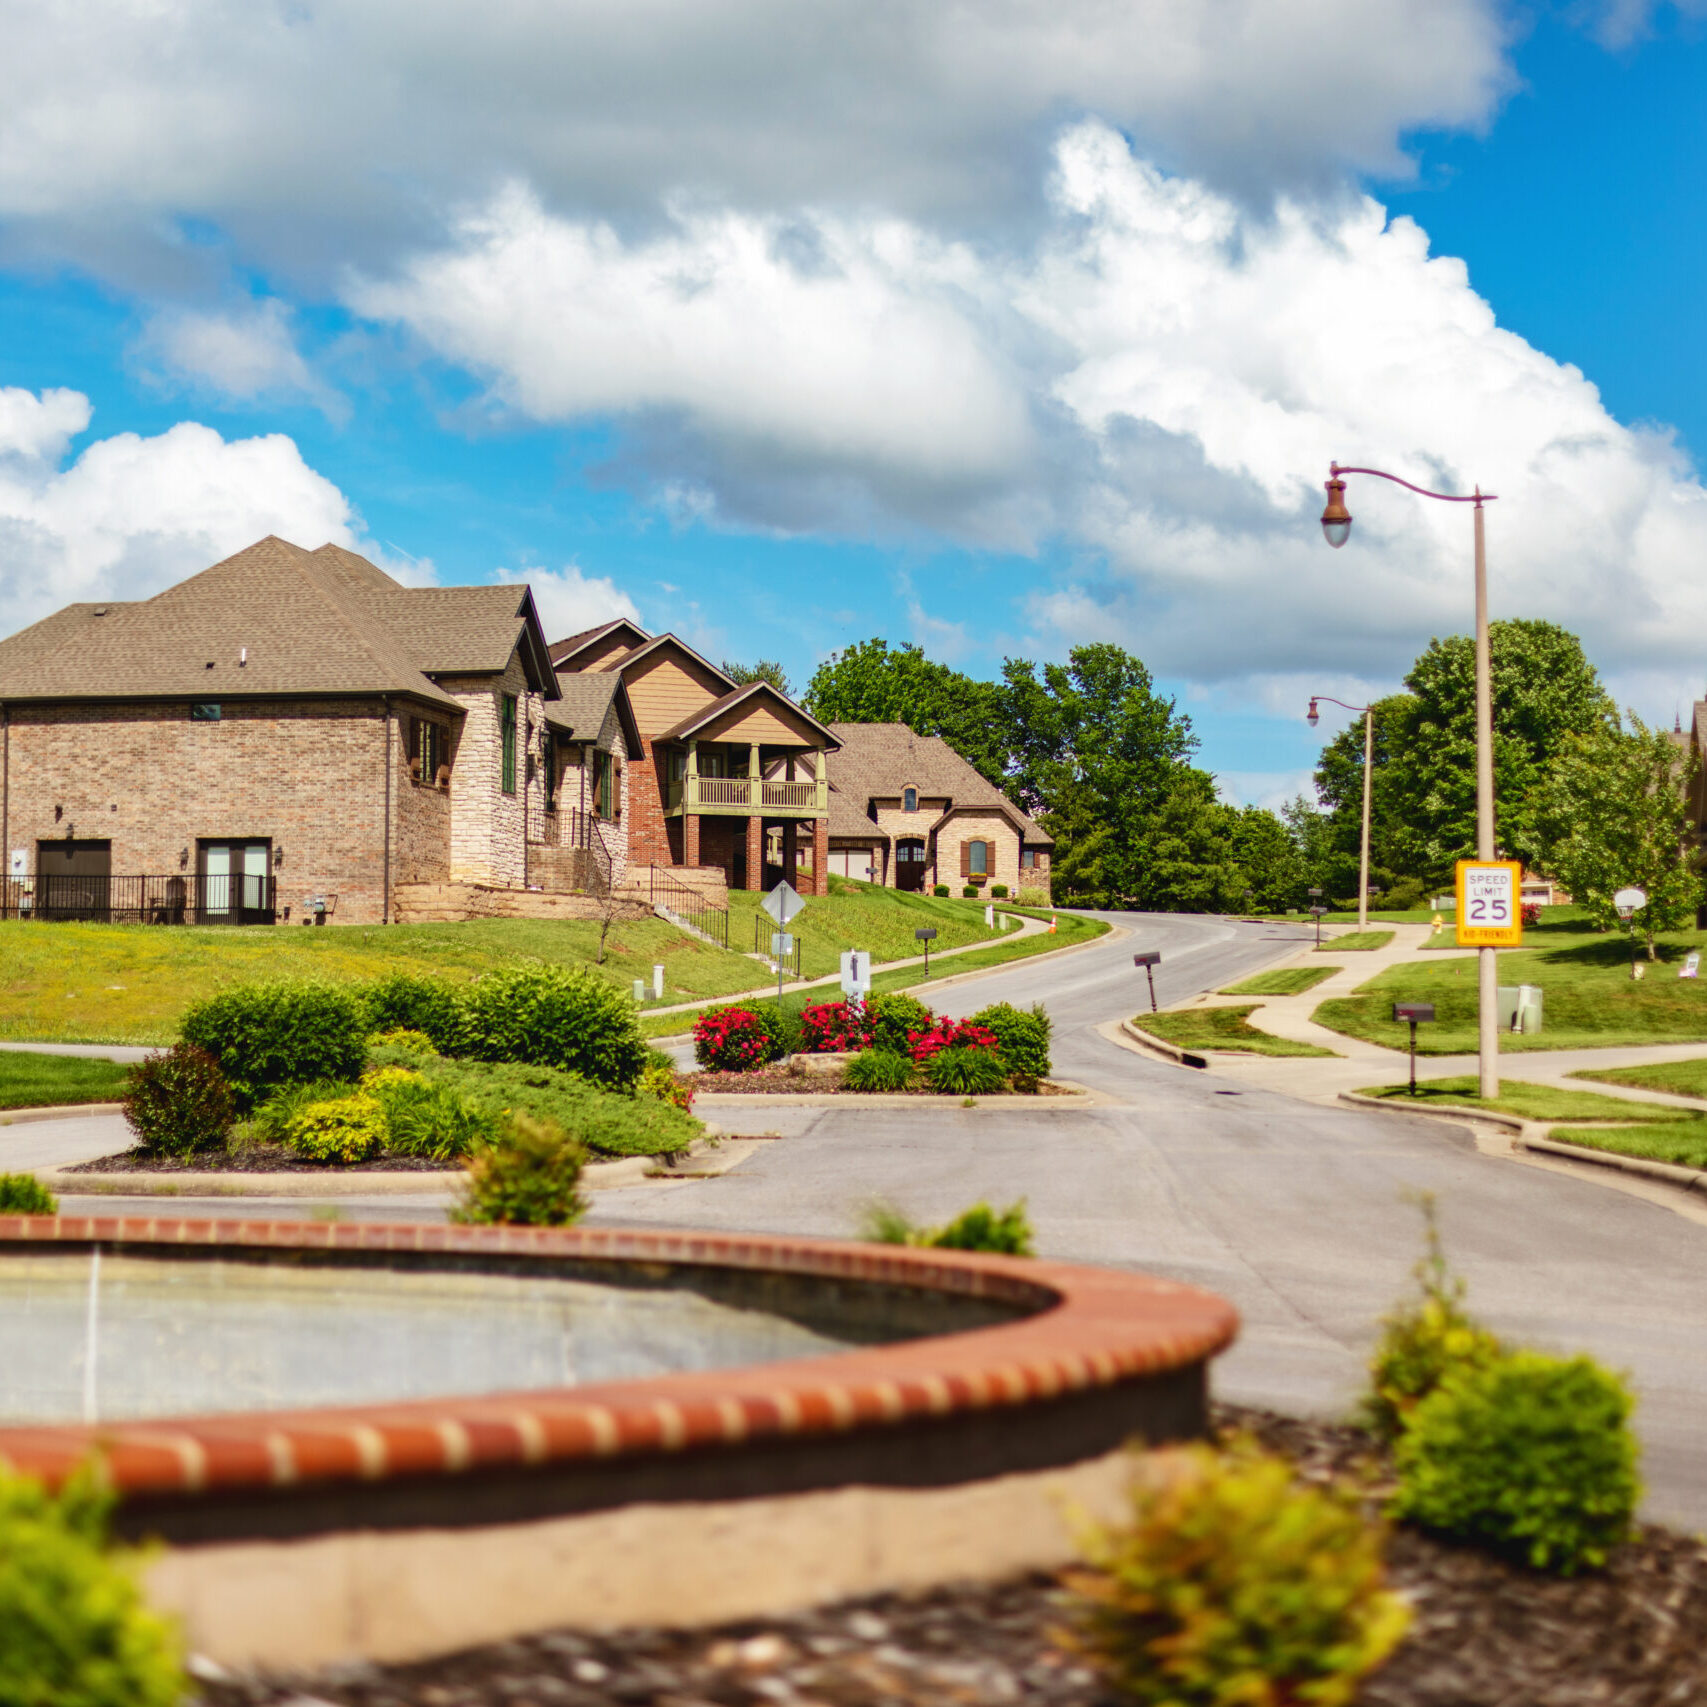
<point x="529" y="1176"/>
<point x="940" y="890"/>
<point x="658" y="1081"/>
<point x="1530" y="1456"/>
<point x="178" y="1102"/>
<point x="1232" y="1583"/>
<point x="1022" y="1041"/>
<point x="970" y="892"/>
<point x="1004" y="1232"/>
<point x="949" y="1034"/>
<point x="555" y="1016"/>
<point x="964" y="1072"/>
<point x="831" y="1027"/>
<point x="266" y="1035"/>
<point x="880" y="1070"/>
<point x="76" y="1631"/>
<point x="998" y="891"/>
<point x="339" y="1130"/>
<point x="407" y="1001"/>
<point x="894" y="1018"/>
<point x="609" y="1123"/>
<point x="416" y="1044"/>
<point x="783" y="1028"/>
<point x="24" y="1194"/>
<point x="731" y="1040"/>
<point x="1424" y="1340"/>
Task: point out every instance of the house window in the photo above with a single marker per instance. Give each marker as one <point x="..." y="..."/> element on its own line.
<point x="605" y="784"/>
<point x="507" y="729"/>
<point x="431" y="751"/>
<point x="548" y="757"/>
<point x="975" y="859"/>
<point x="1028" y="859"/>
<point x="205" y="711"/>
<point x="909" y="800"/>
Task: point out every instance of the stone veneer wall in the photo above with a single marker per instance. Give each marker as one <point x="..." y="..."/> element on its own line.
<point x="309" y="776"/>
<point x="486" y="839"/>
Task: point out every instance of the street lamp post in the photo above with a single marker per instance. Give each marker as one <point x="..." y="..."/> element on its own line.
<point x="1313" y="717"/>
<point x="1336" y="528"/>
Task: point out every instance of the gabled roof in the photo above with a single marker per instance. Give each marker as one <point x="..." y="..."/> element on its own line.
<point x="591" y="707"/>
<point x="876" y="761"/>
<point x="275" y="619"/>
<point x="670" y="642"/>
<point x="563" y="652"/>
<point x="709" y="714"/>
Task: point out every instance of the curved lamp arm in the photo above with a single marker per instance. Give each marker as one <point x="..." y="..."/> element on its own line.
<point x="1476" y="497"/>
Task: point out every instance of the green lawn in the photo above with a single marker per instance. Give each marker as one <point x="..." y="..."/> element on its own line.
<point x="1221" y="1028"/>
<point x="1679" y="1078"/>
<point x="48" y="1081"/>
<point x="1527" y="1102"/>
<point x="1283" y="981"/>
<point x="1071" y="928"/>
<point x="1589" y="998"/>
<point x="1682" y="1141"/>
<point x="1357" y="942"/>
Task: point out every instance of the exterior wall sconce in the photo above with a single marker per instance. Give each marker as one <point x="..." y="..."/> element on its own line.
<point x="183" y="859"/>
<point x="278" y="857"/>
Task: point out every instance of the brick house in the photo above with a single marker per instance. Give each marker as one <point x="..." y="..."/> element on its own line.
<point x="907" y="811"/>
<point x="726" y="785"/>
<point x="293" y="734"/>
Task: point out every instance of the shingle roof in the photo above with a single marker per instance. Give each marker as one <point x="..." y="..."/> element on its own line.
<point x="309" y="622"/>
<point x="878" y="760"/>
<point x="592" y="704"/>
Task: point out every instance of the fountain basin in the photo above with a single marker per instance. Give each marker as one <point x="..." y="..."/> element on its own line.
<point x="950" y="1402"/>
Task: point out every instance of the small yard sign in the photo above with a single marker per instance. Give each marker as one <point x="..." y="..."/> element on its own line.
<point x="856" y="973"/>
<point x="1691" y="967"/>
<point x="1488" y="912"/>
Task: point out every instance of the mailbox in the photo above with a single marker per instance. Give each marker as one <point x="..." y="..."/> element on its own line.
<point x="1415" y="1012"/>
<point x="1149" y="958"/>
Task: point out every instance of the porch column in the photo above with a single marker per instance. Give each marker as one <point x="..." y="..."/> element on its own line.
<point x="690" y="799"/>
<point x="755" y="851"/>
<point x="820" y="856"/>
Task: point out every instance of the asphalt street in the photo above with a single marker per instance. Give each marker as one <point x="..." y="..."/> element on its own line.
<point x="1298" y="1213"/>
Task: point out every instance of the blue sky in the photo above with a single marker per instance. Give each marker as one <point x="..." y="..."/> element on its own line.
<point x="1006" y="367"/>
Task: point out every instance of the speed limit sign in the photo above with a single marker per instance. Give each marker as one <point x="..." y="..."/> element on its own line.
<point x="1489" y="913"/>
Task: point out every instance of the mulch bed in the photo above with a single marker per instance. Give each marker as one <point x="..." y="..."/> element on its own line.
<point x="780" y="1081"/>
<point x="1487" y="1634"/>
<point x="258" y="1159"/>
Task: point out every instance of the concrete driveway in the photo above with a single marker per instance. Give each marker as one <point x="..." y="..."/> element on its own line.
<point x="1295" y="1211"/>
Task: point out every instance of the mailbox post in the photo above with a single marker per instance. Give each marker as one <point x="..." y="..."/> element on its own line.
<point x="1318" y="910"/>
<point x="1417" y="1013"/>
<point x="924" y="934"/>
<point x="1149" y="960"/>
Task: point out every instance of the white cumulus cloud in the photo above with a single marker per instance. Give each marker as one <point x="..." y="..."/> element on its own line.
<point x="244" y="355"/>
<point x="569" y="600"/>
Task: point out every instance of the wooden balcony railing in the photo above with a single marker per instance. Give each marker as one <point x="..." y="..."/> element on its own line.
<point x="748" y="795"/>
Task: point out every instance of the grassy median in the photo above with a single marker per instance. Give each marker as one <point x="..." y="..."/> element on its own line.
<point x="1682" y="1142"/>
<point x="1357" y="942"/>
<point x="1676" y="1078"/>
<point x="1283" y="981"/>
<point x="1220" y="1028"/>
<point x="53" y="1081"/>
<point x="1526" y="1102"/>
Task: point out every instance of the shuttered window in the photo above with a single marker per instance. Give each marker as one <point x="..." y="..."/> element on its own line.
<point x="548" y="756"/>
<point x="507" y="730"/>
<point x="606" y="774"/>
<point x="974" y="859"/>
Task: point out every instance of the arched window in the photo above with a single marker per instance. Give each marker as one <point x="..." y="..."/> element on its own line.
<point x="977" y="859"/>
<point x="909" y="800"/>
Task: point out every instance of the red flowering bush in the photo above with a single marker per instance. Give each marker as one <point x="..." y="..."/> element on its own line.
<point x="1532" y="912"/>
<point x="731" y="1040"/>
<point x="834" y="1026"/>
<point x="950" y="1034"/>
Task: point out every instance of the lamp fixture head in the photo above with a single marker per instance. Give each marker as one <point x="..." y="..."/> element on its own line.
<point x="1312" y="716"/>
<point x="1336" y="518"/>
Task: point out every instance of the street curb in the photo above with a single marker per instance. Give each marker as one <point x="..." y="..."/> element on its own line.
<point x="1690" y="1179"/>
<point x="59" y="1111"/>
<point x="596" y="1176"/>
<point x="1083" y="1097"/>
<point x="1505" y="1122"/>
<point x="1169" y="1052"/>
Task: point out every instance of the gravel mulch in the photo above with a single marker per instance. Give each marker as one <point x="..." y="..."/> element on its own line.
<point x="257" y="1159"/>
<point x="1487" y="1634"/>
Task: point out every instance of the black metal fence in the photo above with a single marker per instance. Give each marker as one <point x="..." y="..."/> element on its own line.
<point x="181" y="899"/>
<point x="764" y="928"/>
<point x="689" y="904"/>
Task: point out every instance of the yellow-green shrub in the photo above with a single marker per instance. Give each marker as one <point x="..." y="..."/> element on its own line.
<point x="1233" y="1585"/>
<point x="1530" y="1456"/>
<point x="406" y="1041"/>
<point x="1424" y="1340"/>
<point x="73" y="1629"/>
<point x="339" y="1130"/>
<point x="529" y="1176"/>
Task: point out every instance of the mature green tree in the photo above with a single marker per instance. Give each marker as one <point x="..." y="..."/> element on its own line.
<point x="1308" y="828"/>
<point x="766" y="670"/>
<point x="1270" y="860"/>
<point x="872" y="682"/>
<point x="1613" y="813"/>
<point x="1339" y="787"/>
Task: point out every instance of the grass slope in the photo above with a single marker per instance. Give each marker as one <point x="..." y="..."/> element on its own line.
<point x="1221" y="1028"/>
<point x="1283" y="981"/>
<point x="1527" y="1102"/>
<point x="1589" y="998"/>
<point x="1679" y="1078"/>
<point x="51" y="1081"/>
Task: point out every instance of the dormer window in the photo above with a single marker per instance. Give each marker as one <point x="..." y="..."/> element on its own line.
<point x="909" y="800"/>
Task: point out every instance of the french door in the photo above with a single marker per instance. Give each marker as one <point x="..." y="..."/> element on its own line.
<point x="236" y="883"/>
